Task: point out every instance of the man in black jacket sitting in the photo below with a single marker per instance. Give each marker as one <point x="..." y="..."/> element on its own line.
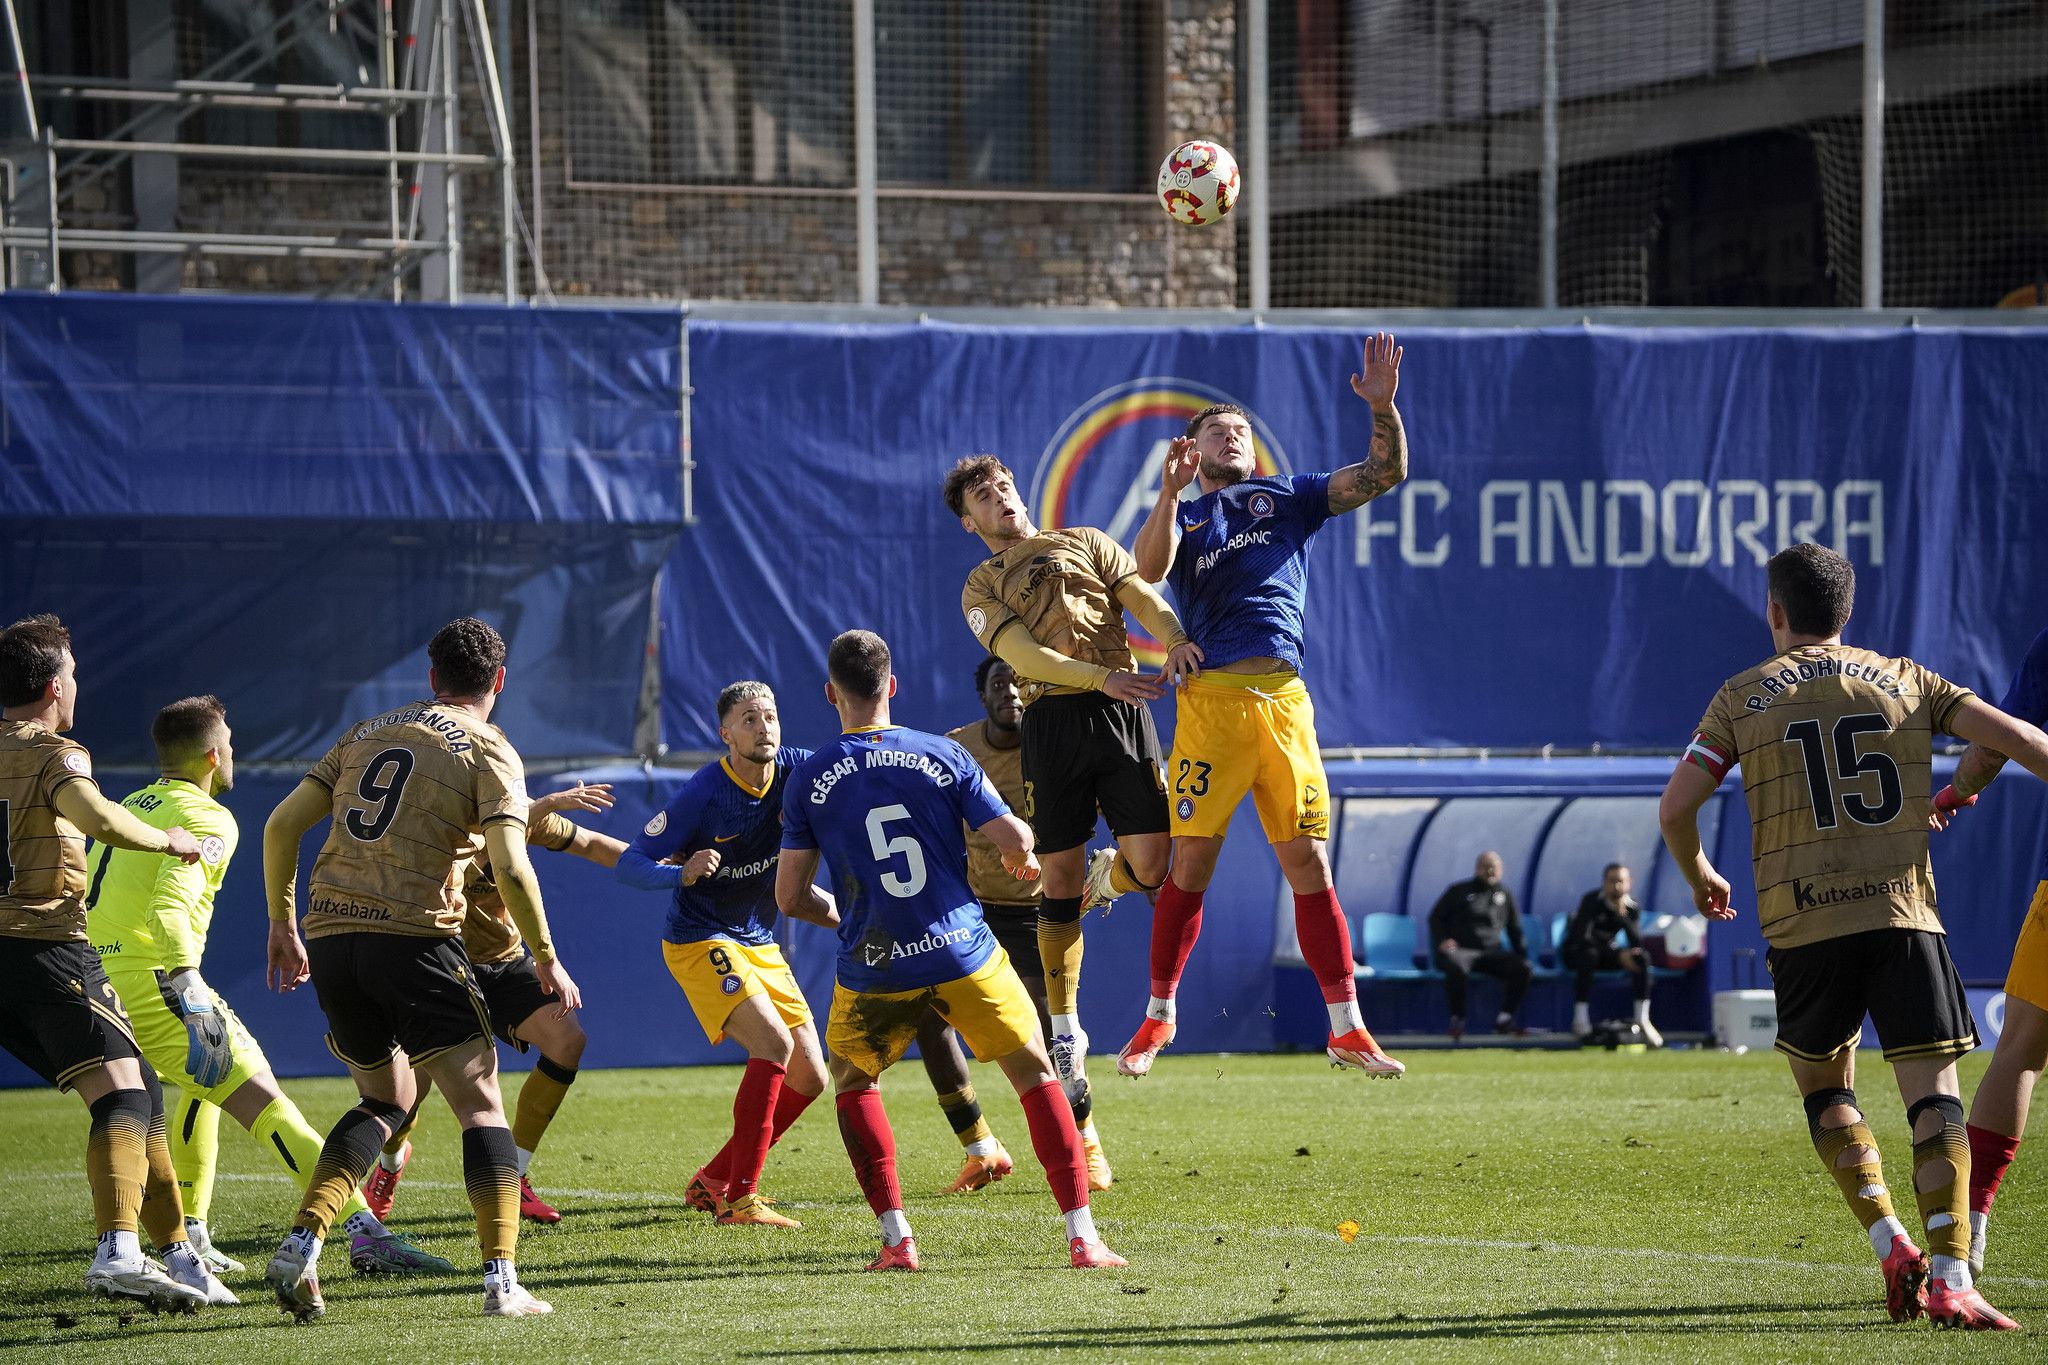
<point x="1467" y="926"/>
<point x="1588" y="947"/>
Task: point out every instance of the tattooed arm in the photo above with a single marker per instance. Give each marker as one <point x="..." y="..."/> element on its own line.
<point x="1355" y="485"/>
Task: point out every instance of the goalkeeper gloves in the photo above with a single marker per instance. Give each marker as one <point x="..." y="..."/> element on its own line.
<point x="209" y="1053"/>
<point x="1948" y="803"/>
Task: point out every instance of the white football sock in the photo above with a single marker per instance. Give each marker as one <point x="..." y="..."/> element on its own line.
<point x="987" y="1146"/>
<point x="394" y="1161"/>
<point x="1582" y="1018"/>
<point x="1162" y="1010"/>
<point x="1883" y="1232"/>
<point x="1067" y="1024"/>
<point x="1953" y="1271"/>
<point x="895" y="1227"/>
<point x="1978" y="1223"/>
<point x="307" y="1243"/>
<point x="525" y="1159"/>
<point x="1344" y="1017"/>
<point x="119" y="1245"/>
<point x="365" y="1224"/>
<point x="1088" y="1132"/>
<point x="180" y="1256"/>
<point x="1081" y="1223"/>
<point x="1642" y="1011"/>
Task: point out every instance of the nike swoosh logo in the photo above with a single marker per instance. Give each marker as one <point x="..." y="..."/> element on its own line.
<point x="723" y="838"/>
<point x="1196" y="526"/>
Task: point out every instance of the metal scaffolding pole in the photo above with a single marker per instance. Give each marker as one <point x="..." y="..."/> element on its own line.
<point x="1258" y="146"/>
<point x="394" y="181"/>
<point x="1547" y="185"/>
<point x="486" y="59"/>
<point x="867" y="229"/>
<point x="1873" y="153"/>
<point x="451" y="198"/>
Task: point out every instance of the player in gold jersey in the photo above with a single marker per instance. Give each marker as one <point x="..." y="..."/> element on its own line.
<point x="1051" y="604"/>
<point x="1011" y="909"/>
<point x="1836" y="748"/>
<point x="58" y="1012"/>
<point x="522" y="1012"/>
<point x="414" y="794"/>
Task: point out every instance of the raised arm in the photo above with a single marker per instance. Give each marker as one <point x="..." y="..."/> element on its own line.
<point x="1142" y="600"/>
<point x="1160" y="534"/>
<point x="1017" y="647"/>
<point x="1354" y="486"/>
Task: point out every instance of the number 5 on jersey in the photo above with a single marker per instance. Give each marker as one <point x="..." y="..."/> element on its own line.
<point x="912" y="881"/>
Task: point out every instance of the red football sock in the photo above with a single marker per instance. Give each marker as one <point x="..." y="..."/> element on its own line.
<point x="864" y="1126"/>
<point x="753" y="1118"/>
<point x="1058" y="1144"/>
<point x="1326" y="943"/>
<point x="1176" y="923"/>
<point x="1990" y="1154"/>
<point x="788" y="1104"/>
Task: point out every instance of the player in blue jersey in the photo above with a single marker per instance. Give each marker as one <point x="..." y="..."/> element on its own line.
<point x="1236" y="558"/>
<point x="715" y="846"/>
<point x="887" y="805"/>
<point x="1998" y="1113"/>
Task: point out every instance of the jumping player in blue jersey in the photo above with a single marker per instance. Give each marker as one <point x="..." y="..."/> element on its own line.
<point x="1236" y="558"/>
<point x="887" y="805"/>
<point x="714" y="846"/>
<point x="1998" y="1112"/>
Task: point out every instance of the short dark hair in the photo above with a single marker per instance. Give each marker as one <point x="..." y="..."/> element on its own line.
<point x="966" y="473"/>
<point x="1815" y="586"/>
<point x="858" y="663"/>
<point x="1213" y="410"/>
<point x="986" y="667"/>
<point x="744" y="690"/>
<point x="1613" y="867"/>
<point x="187" y="728"/>
<point x="31" y="654"/>
<point x="466" y="654"/>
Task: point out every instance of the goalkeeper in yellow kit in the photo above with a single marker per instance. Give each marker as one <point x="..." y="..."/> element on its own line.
<point x="148" y="924"/>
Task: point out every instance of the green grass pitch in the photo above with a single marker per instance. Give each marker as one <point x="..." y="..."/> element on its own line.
<point x="1556" y="1206"/>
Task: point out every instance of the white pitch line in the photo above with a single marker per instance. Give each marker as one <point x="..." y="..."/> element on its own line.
<point x="987" y="1211"/>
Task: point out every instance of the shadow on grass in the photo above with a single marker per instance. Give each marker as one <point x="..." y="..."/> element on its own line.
<point x="1280" y="1329"/>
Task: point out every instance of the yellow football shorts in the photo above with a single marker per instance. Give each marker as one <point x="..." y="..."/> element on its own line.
<point x="161" y="1035"/>
<point x="716" y="974"/>
<point x="1239" y="732"/>
<point x="2027" y="978"/>
<point x="990" y="1008"/>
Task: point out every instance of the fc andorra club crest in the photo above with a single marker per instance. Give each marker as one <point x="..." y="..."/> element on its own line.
<point x="1101" y="467"/>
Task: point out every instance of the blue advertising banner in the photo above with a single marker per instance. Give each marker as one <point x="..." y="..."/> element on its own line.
<point x="1576" y="558"/>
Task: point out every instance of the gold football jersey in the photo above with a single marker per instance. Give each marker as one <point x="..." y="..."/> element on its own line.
<point x="986" y="876"/>
<point x="413" y="789"/>
<point x="488" y="933"/>
<point x="1836" y="746"/>
<point x="1061" y="587"/>
<point x="42" y="855"/>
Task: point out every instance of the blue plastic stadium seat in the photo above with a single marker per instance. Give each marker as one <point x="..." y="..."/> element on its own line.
<point x="1389" y="949"/>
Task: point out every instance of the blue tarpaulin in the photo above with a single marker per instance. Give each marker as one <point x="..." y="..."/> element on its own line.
<point x="279" y="502"/>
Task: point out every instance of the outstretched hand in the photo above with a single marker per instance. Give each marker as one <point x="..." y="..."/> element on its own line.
<point x="591" y="796"/>
<point x="1182" y="462"/>
<point x="1382" y="372"/>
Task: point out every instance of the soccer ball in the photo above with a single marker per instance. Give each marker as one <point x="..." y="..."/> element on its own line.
<point x="1198" y="183"/>
<point x="1676" y="941"/>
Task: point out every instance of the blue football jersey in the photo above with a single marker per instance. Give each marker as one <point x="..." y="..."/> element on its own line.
<point x="2027" y="698"/>
<point x="714" y="809"/>
<point x="887" y="808"/>
<point x="1240" y="573"/>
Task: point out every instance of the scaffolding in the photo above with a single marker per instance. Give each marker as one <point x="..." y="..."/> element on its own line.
<point x="418" y="82"/>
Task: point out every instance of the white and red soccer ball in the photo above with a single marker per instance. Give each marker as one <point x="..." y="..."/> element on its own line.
<point x="1198" y="183"/>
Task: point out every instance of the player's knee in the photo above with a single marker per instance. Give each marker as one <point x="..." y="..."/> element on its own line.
<point x="1059" y="910"/>
<point x="1145" y="860"/>
<point x="568" y="1048"/>
<point x="389" y="1117"/>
